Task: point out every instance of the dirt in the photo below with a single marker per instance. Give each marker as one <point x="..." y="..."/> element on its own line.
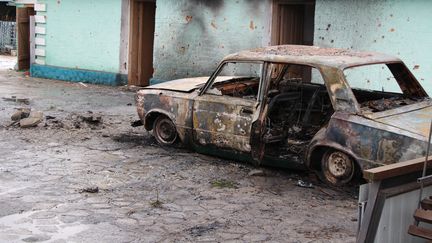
<point x="45" y="170"/>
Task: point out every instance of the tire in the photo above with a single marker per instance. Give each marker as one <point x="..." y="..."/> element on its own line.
<point x="337" y="168"/>
<point x="164" y="131"/>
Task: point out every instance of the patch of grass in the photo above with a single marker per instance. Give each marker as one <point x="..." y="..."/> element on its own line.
<point x="158" y="203"/>
<point x="222" y="183"/>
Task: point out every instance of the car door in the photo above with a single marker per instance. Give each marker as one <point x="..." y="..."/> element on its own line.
<point x="221" y="120"/>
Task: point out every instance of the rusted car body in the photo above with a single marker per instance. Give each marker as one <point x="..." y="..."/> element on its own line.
<point x="279" y="116"/>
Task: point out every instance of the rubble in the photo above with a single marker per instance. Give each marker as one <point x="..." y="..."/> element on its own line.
<point x="21" y="113"/>
<point x="17" y="100"/>
<point x="256" y="173"/>
<point x="33" y="120"/>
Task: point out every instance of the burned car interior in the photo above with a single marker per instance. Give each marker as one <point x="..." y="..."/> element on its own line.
<point x="298" y="106"/>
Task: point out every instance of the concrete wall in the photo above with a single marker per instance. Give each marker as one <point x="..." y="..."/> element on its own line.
<point x="399" y="27"/>
<point x="83" y="34"/>
<point x="192" y="36"/>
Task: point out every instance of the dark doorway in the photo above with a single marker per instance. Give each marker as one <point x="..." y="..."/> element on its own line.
<point x="23" y="27"/>
<point x="141" y="40"/>
<point x="293" y="22"/>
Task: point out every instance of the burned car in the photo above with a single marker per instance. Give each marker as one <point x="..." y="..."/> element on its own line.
<point x="334" y="111"/>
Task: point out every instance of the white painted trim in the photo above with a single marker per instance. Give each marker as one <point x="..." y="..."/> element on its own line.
<point x="25" y="1"/>
<point x="40" y="7"/>
<point x="40" y="19"/>
<point x="40" y="61"/>
<point x="40" y="52"/>
<point x="40" y="41"/>
<point x="40" y="30"/>
<point x="124" y="37"/>
<point x="32" y="40"/>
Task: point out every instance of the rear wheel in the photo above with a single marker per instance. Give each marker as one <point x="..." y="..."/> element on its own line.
<point x="337" y="168"/>
<point x="164" y="131"/>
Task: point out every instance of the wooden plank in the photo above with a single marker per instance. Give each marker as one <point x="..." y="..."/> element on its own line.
<point x="23" y="28"/>
<point x="420" y="232"/>
<point x="396" y="169"/>
<point x="40" y="19"/>
<point x="40" y="7"/>
<point x="40" y="30"/>
<point x="422" y="215"/>
<point x="40" y="41"/>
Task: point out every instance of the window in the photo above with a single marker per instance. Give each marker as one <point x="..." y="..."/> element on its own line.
<point x="237" y="79"/>
<point x="375" y="77"/>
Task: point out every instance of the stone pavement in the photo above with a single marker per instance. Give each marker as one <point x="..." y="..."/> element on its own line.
<point x="69" y="181"/>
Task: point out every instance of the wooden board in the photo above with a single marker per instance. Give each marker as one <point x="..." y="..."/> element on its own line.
<point x="23" y="26"/>
<point x="420" y="232"/>
<point x="142" y="27"/>
<point x="422" y="215"/>
<point x="396" y="169"/>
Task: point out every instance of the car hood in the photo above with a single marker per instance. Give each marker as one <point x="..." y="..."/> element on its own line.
<point x="187" y="84"/>
<point x="414" y="118"/>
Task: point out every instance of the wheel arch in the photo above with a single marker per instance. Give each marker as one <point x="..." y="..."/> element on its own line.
<point x="151" y="116"/>
<point x="317" y="151"/>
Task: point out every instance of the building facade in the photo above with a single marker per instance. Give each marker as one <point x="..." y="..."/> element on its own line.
<point x="140" y="42"/>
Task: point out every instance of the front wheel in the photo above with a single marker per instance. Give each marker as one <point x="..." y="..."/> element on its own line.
<point x="337" y="168"/>
<point x="164" y="130"/>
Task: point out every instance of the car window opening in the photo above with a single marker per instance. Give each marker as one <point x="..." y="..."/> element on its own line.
<point x="244" y="81"/>
<point x="298" y="106"/>
<point x="378" y="87"/>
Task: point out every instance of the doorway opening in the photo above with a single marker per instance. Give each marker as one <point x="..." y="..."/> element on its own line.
<point x="141" y="41"/>
<point x="23" y="26"/>
<point x="293" y="22"/>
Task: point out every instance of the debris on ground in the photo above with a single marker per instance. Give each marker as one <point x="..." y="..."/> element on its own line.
<point x="202" y="229"/>
<point x="92" y="189"/>
<point x="222" y="183"/>
<point x="91" y="118"/>
<point x="33" y="120"/>
<point x="304" y="184"/>
<point x="256" y="173"/>
<point x="83" y="84"/>
<point x="21" y="113"/>
<point x="137" y="123"/>
<point x="17" y="100"/>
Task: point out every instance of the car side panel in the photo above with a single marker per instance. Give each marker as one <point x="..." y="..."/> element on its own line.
<point x="370" y="143"/>
<point x="176" y="105"/>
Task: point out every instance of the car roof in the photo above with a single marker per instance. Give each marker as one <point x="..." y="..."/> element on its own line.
<point x="313" y="56"/>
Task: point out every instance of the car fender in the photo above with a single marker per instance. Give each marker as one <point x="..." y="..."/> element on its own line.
<point x="152" y="112"/>
<point x="320" y="141"/>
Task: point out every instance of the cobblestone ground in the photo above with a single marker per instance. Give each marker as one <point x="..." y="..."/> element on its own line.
<point x="146" y="193"/>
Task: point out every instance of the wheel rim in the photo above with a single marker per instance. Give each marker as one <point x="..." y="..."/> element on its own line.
<point x="166" y="131"/>
<point x="338" y="168"/>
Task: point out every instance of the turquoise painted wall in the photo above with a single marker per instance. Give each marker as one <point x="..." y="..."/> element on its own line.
<point x="192" y="36"/>
<point x="83" y="34"/>
<point x="399" y="27"/>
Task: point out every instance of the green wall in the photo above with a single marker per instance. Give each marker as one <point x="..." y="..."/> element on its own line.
<point x="398" y="27"/>
<point x="192" y="36"/>
<point x="83" y="34"/>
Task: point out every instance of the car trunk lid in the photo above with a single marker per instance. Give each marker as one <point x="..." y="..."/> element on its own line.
<point x="414" y="118"/>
